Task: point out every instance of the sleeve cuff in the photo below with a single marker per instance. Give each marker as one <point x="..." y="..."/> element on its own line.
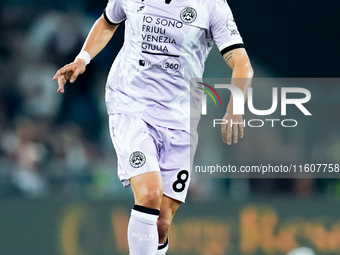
<point x="231" y="47"/>
<point x="111" y="22"/>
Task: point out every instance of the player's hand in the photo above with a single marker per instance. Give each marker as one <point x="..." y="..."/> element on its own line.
<point x="70" y="73"/>
<point x="232" y="129"/>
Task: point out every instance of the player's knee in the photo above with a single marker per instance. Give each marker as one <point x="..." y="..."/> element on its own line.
<point x="152" y="198"/>
<point x="154" y="195"/>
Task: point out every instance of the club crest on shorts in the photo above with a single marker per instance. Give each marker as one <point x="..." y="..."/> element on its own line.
<point x="137" y="159"/>
<point x="188" y="15"/>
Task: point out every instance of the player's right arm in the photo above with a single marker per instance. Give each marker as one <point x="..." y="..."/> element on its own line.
<point x="98" y="37"/>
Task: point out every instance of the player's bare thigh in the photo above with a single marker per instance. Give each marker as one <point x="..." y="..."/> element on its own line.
<point x="148" y="189"/>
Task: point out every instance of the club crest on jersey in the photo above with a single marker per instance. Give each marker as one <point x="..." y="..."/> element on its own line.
<point x="231" y="25"/>
<point x="188" y="15"/>
<point x="137" y="159"/>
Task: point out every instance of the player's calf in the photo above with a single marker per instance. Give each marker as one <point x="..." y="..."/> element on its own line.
<point x="163" y="225"/>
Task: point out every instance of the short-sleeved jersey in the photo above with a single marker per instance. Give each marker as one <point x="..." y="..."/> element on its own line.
<point x="166" y="44"/>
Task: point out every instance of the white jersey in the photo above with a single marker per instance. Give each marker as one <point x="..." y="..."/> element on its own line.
<point x="166" y="44"/>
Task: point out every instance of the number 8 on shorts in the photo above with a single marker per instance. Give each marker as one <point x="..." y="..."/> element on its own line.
<point x="179" y="184"/>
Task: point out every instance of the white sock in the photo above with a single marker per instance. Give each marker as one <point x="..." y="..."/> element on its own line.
<point x="163" y="248"/>
<point x="142" y="231"/>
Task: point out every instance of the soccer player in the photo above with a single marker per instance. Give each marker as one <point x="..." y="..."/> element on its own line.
<point x="149" y="101"/>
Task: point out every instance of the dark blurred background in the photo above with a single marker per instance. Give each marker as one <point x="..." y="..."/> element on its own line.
<point x="55" y="146"/>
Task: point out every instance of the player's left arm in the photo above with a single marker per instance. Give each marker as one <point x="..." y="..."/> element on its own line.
<point x="242" y="75"/>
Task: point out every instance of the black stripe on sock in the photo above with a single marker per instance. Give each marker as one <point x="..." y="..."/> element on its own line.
<point x="232" y="47"/>
<point x="147" y="210"/>
<point x="164" y="244"/>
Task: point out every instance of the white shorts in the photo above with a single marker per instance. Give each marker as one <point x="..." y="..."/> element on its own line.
<point x="142" y="147"/>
